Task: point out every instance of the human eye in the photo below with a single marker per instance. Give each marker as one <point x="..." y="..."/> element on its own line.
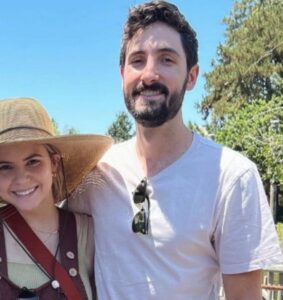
<point x="33" y="162"/>
<point x="167" y="59"/>
<point x="136" y="60"/>
<point x="5" y="167"/>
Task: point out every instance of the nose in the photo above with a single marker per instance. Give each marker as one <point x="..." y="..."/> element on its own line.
<point x="150" y="72"/>
<point x="21" y="175"/>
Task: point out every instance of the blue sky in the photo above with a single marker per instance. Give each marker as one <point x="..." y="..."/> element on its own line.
<point x="65" y="53"/>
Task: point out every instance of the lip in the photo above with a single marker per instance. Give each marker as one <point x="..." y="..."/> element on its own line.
<point x="150" y="96"/>
<point x="155" y="89"/>
<point x="25" y="192"/>
<point x="150" y="93"/>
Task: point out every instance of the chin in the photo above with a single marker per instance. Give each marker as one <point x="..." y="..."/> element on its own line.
<point x="28" y="208"/>
<point x="151" y="123"/>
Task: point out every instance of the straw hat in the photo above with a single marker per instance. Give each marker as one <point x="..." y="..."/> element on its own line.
<point x="25" y="120"/>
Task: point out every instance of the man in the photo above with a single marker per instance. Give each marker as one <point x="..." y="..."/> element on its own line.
<point x="173" y="211"/>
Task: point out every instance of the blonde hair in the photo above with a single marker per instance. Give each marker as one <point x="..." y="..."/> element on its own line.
<point x="59" y="190"/>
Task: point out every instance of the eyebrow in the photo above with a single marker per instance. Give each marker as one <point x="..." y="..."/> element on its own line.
<point x="169" y="50"/>
<point x="161" y="50"/>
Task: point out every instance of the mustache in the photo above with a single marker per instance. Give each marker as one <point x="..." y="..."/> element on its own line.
<point x="156" y="86"/>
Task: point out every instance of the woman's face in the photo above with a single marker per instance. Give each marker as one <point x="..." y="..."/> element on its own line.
<point x="26" y="176"/>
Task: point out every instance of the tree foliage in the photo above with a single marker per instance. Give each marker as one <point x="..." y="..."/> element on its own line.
<point x="71" y="131"/>
<point x="198" y="129"/>
<point x="55" y="125"/>
<point x="67" y="130"/>
<point x="244" y="89"/>
<point x="249" y="64"/>
<point x="257" y="131"/>
<point x="121" y="129"/>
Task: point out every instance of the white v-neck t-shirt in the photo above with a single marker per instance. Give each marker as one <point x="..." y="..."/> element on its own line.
<point x="208" y="215"/>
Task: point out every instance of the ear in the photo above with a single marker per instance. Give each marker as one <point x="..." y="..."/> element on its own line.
<point x="55" y="162"/>
<point x="192" y="77"/>
<point x="122" y="71"/>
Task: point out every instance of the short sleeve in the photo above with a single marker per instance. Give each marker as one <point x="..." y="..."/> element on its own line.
<point x="245" y="237"/>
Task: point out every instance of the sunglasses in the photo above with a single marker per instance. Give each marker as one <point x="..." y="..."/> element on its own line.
<point x="27" y="294"/>
<point x="141" y="219"/>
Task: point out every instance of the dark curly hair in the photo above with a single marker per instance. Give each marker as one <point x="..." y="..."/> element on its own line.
<point x="145" y="14"/>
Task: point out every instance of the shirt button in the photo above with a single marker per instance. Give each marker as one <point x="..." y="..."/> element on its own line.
<point x="70" y="255"/>
<point x="73" y="272"/>
<point x="55" y="284"/>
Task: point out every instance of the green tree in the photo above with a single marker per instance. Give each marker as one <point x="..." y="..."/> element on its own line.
<point x="199" y="129"/>
<point x="121" y="129"/>
<point x="67" y="130"/>
<point x="249" y="64"/>
<point x="244" y="89"/>
<point x="257" y="131"/>
<point x="55" y="125"/>
<point x="71" y="130"/>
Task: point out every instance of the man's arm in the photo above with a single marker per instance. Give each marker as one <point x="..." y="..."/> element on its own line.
<point x="79" y="200"/>
<point x="243" y="286"/>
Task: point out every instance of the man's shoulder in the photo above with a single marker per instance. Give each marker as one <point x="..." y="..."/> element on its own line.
<point x="224" y="157"/>
<point x="118" y="151"/>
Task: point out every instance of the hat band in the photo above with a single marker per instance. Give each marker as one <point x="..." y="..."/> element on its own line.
<point x="24" y="127"/>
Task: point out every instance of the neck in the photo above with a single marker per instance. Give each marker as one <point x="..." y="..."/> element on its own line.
<point x="43" y="220"/>
<point x="159" y="147"/>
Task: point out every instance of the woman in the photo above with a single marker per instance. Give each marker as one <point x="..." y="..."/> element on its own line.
<point x="45" y="252"/>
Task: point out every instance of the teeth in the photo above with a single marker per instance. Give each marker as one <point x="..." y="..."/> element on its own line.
<point x="25" y="193"/>
<point x="150" y="93"/>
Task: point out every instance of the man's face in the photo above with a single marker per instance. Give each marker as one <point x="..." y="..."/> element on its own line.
<point x="155" y="75"/>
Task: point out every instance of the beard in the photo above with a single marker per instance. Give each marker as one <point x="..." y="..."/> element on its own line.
<point x="155" y="114"/>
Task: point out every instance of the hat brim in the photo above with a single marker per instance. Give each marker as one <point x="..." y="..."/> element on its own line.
<point x="80" y="153"/>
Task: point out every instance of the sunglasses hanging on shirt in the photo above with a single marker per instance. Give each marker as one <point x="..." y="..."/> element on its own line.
<point x="140" y="222"/>
<point x="27" y="294"/>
